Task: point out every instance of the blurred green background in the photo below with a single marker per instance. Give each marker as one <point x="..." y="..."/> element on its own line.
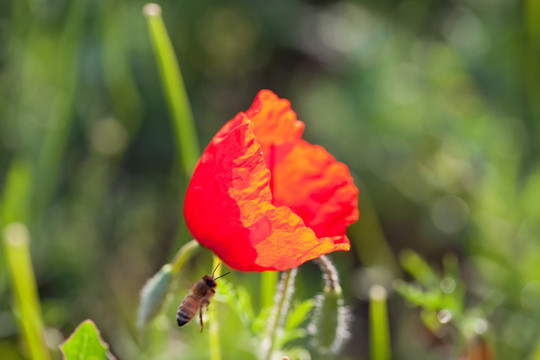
<point x="434" y="106"/>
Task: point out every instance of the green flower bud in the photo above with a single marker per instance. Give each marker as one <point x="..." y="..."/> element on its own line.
<point x="331" y="318"/>
<point x="153" y="295"/>
<point x="330" y="322"/>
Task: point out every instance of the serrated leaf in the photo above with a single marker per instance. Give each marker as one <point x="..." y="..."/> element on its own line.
<point x="238" y="300"/>
<point x="290" y="335"/>
<point x="299" y="314"/>
<point x="85" y="343"/>
<point x="261" y="321"/>
<point x="245" y="301"/>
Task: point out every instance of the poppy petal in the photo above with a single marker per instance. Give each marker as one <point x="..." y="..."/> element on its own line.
<point x="275" y="124"/>
<point x="228" y="208"/>
<point x="317" y="188"/>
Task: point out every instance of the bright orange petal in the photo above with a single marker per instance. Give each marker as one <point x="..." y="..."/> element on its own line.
<point x="317" y="188"/>
<point x="228" y="208"/>
<point x="274" y="124"/>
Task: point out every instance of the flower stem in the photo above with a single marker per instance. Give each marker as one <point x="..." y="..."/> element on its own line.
<point x="380" y="335"/>
<point x="269" y="280"/>
<point x="173" y="85"/>
<point x="183" y="255"/>
<point x="215" y="351"/>
<point x="16" y="242"/>
<point x="330" y="274"/>
<point x="281" y="305"/>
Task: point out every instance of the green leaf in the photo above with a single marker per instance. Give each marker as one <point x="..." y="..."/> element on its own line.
<point x="299" y="314"/>
<point x="289" y="336"/>
<point x="261" y="321"/>
<point x="85" y="344"/>
<point x="238" y="300"/>
<point x="245" y="302"/>
<point x="429" y="299"/>
<point x="415" y="265"/>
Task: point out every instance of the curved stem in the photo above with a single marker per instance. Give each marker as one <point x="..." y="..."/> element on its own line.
<point x="183" y="255"/>
<point x="331" y="277"/>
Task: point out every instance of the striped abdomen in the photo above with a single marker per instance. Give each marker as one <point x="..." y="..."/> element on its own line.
<point x="187" y="310"/>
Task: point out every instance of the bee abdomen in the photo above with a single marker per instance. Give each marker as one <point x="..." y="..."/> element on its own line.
<point x="183" y="316"/>
<point x="188" y="308"/>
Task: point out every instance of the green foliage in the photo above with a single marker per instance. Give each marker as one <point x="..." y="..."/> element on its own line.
<point x="85" y="344"/>
<point x="238" y="300"/>
<point x="433" y="106"/>
<point x="298" y="314"/>
<point x="293" y="329"/>
<point x="442" y="297"/>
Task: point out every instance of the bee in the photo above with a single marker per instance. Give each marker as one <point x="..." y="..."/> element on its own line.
<point x="200" y="295"/>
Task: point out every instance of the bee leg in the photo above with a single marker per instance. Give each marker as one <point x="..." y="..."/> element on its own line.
<point x="203" y="303"/>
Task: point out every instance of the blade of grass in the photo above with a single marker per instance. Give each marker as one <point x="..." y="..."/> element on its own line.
<point x="16" y="242"/>
<point x="15" y="201"/>
<point x="175" y="92"/>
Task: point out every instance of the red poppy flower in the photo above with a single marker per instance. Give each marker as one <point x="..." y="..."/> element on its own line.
<point x="264" y="199"/>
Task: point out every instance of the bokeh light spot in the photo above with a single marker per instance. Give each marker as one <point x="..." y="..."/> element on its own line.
<point x="450" y="214"/>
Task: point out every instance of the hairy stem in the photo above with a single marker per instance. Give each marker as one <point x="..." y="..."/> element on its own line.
<point x="281" y="306"/>
<point x="330" y="274"/>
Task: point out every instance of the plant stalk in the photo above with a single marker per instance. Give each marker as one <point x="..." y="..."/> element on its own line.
<point x="215" y="350"/>
<point x="28" y="310"/>
<point x="269" y="280"/>
<point x="281" y="305"/>
<point x="184" y="254"/>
